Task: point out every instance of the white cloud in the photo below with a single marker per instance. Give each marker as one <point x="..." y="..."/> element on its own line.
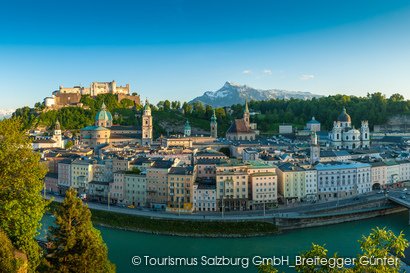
<point x="306" y="77"/>
<point x="247" y="72"/>
<point x="267" y="72"/>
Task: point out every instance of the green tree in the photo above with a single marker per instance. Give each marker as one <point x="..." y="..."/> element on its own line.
<point x="8" y="262"/>
<point x="21" y="181"/>
<point x="167" y="105"/>
<point x="76" y="246"/>
<point x="69" y="144"/>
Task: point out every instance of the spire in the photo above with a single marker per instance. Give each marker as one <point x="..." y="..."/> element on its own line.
<point x="147" y="107"/>
<point x="57" y="126"/>
<point x="213" y="118"/>
<point x="246" y="106"/>
<point x="103" y="107"/>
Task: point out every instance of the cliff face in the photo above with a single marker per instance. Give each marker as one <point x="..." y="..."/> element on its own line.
<point x="398" y="123"/>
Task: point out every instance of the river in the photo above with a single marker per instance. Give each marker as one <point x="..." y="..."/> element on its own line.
<point x="341" y="238"/>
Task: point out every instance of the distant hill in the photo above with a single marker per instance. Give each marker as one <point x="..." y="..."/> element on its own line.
<point x="232" y="93"/>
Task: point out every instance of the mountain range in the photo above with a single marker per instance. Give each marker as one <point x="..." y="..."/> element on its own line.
<point x="232" y="93"/>
<point x="6" y="113"/>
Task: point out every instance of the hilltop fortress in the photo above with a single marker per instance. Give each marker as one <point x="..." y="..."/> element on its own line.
<point x="71" y="96"/>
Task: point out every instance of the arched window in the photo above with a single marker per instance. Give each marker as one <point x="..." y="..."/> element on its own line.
<point x="337" y="136"/>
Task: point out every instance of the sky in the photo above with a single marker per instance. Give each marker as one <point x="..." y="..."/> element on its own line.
<point x="176" y="50"/>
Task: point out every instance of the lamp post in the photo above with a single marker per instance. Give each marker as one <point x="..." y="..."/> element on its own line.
<point x="108" y="200"/>
<point x="179" y="206"/>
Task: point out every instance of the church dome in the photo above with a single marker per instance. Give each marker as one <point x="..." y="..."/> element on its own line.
<point x="344" y="116"/>
<point x="103" y="115"/>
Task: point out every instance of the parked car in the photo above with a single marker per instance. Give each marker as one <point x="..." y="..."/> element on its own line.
<point x="131" y="207"/>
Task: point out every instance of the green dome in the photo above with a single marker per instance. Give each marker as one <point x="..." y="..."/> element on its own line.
<point x="103" y="114"/>
<point x="187" y="125"/>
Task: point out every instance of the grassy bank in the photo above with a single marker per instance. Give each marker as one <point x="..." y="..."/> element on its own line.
<point x="179" y="227"/>
<point x="183" y="227"/>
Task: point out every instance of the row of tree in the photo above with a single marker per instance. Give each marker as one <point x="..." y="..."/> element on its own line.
<point x="74" y="244"/>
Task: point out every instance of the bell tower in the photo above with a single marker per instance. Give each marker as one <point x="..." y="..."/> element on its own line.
<point x="214" y="126"/>
<point x="146" y="127"/>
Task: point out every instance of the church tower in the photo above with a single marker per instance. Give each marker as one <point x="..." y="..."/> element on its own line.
<point x="246" y="115"/>
<point x="314" y="148"/>
<point x="57" y="136"/>
<point x="214" y="126"/>
<point x="187" y="129"/>
<point x="146" y="125"/>
<point x="365" y="134"/>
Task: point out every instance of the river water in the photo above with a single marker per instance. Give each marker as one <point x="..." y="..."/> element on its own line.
<point x="341" y="238"/>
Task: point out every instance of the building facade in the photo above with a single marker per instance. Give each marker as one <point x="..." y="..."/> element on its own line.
<point x="345" y="136"/>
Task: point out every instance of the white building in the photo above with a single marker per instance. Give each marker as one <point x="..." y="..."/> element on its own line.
<point x="204" y="198"/>
<point x="310" y="184"/>
<point x="81" y="174"/>
<point x="378" y="174"/>
<point x="313" y="125"/>
<point x="404" y="170"/>
<point x="344" y="136"/>
<point x="285" y="129"/>
<point x="343" y="179"/>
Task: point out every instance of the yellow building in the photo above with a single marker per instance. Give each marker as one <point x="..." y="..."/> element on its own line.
<point x="263" y="185"/>
<point x="291" y="182"/>
<point x="180" y="187"/>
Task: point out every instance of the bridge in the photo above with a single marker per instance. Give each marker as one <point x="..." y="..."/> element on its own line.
<point x="400" y="198"/>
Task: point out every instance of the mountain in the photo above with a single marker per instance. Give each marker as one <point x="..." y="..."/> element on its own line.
<point x="232" y="93"/>
<point x="6" y="113"/>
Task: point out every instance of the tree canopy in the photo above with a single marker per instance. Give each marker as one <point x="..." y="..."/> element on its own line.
<point x="76" y="246"/>
<point x="21" y="181"/>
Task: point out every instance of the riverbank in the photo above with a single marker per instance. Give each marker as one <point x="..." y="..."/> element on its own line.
<point x="151" y="225"/>
<point x="183" y="227"/>
<point x="237" y="227"/>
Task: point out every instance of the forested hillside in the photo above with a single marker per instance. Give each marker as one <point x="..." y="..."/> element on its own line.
<point x="169" y="116"/>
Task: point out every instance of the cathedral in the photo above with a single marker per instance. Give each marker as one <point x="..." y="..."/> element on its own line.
<point x="104" y="131"/>
<point x="345" y="136"/>
<point x="242" y="129"/>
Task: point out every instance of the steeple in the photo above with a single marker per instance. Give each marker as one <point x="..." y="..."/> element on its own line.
<point x="103" y="107"/>
<point x="187" y="129"/>
<point x="57" y="126"/>
<point x="214" y="126"/>
<point x="147" y="107"/>
<point x="147" y="126"/>
<point x="213" y="118"/>
<point x="246" y="115"/>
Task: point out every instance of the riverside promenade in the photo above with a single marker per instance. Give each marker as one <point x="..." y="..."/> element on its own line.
<point x="372" y="201"/>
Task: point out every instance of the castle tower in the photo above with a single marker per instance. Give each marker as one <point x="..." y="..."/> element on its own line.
<point x="57" y="136"/>
<point x="365" y="134"/>
<point x="146" y="125"/>
<point x="314" y="148"/>
<point x="187" y="129"/>
<point x="246" y="115"/>
<point x="214" y="126"/>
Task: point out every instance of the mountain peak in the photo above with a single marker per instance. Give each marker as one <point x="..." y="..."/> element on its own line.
<point x="232" y="84"/>
<point x="233" y="93"/>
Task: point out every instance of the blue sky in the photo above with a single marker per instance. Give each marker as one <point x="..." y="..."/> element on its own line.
<point x="179" y="49"/>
